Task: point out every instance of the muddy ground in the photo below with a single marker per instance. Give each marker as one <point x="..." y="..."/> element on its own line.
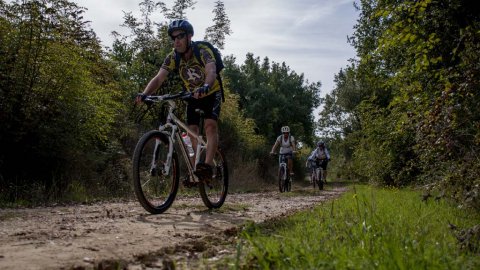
<point x="122" y="235"/>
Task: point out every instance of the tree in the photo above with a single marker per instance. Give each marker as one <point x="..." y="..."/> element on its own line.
<point x="274" y="96"/>
<point x="57" y="99"/>
<point x="178" y="10"/>
<point x="417" y="75"/>
<point x="216" y="33"/>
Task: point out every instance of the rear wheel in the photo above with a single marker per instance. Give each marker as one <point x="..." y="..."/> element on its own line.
<point x="288" y="184"/>
<point x="214" y="191"/>
<point x="154" y="189"/>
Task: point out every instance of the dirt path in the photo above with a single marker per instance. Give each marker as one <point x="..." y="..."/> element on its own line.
<point x="88" y="236"/>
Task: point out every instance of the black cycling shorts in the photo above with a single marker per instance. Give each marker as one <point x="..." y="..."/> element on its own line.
<point x="210" y="104"/>
<point x="322" y="163"/>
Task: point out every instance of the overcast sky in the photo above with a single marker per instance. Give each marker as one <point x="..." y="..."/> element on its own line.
<point x="310" y="36"/>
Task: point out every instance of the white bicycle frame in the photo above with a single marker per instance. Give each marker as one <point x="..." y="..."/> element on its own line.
<point x="318" y="173"/>
<point x="283" y="165"/>
<point x="171" y="128"/>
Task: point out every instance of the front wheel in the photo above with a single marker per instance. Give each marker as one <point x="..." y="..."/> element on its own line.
<point x="155" y="189"/>
<point x="320" y="180"/>
<point x="214" y="191"/>
<point x="281" y="178"/>
<point x="288" y="184"/>
<point x="313" y="178"/>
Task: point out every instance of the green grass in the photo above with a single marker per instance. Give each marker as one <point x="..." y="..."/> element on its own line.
<point x="367" y="228"/>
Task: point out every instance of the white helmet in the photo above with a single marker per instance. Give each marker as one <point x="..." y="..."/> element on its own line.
<point x="285" y="129"/>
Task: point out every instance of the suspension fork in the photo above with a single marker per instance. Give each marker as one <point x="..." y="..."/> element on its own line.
<point x="171" y="138"/>
<point x="284" y="166"/>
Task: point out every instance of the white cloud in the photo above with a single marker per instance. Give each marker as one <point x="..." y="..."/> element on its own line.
<point x="310" y="36"/>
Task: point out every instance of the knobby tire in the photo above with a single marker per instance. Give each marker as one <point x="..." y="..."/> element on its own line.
<point x="154" y="190"/>
<point x="214" y="191"/>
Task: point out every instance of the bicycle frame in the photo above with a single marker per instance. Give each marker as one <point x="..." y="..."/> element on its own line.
<point x="318" y="173"/>
<point x="317" y="176"/>
<point x="173" y="128"/>
<point x="156" y="167"/>
<point x="283" y="164"/>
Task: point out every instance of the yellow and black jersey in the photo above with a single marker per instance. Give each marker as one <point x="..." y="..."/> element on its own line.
<point x="192" y="72"/>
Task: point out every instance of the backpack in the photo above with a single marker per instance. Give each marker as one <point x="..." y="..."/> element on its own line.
<point x="216" y="54"/>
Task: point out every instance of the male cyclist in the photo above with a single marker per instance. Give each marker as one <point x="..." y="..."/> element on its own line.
<point x="287" y="147"/>
<point x="320" y="158"/>
<point x="198" y="78"/>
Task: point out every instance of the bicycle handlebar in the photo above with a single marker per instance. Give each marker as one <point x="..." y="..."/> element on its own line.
<point x="277" y="154"/>
<point x="182" y="95"/>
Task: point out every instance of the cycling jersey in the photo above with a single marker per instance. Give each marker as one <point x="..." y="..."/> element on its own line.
<point x="286" y="144"/>
<point x="319" y="154"/>
<point x="192" y="72"/>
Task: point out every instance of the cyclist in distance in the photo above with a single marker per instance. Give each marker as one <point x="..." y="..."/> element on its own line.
<point x="198" y="78"/>
<point x="287" y="146"/>
<point x="320" y="157"/>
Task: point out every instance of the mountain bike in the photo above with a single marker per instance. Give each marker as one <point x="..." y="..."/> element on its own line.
<point x="284" y="178"/>
<point x="313" y="175"/>
<point x="318" y="175"/>
<point x="156" y="168"/>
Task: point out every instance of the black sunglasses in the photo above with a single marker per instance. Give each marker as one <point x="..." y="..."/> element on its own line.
<point x="179" y="36"/>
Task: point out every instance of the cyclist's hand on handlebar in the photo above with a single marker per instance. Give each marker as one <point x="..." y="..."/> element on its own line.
<point x="187" y="95"/>
<point x="201" y="91"/>
<point x="140" y="97"/>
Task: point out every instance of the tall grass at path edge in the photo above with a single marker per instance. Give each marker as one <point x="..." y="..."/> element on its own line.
<point x="367" y="228"/>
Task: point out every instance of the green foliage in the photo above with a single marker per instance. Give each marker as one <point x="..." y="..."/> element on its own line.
<point x="368" y="228"/>
<point x="411" y="113"/>
<point x="216" y="33"/>
<point x="57" y="99"/>
<point x="238" y="131"/>
<point x="274" y="96"/>
<point x="67" y="106"/>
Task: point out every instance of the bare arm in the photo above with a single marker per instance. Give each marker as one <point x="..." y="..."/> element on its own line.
<point x="210" y="76"/>
<point x="154" y="83"/>
<point x="210" y="73"/>
<point x="274" y="146"/>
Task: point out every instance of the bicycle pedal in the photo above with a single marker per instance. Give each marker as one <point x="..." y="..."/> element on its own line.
<point x="189" y="183"/>
<point x="153" y="171"/>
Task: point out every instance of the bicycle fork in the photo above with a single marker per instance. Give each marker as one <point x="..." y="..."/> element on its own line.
<point x="165" y="166"/>
<point x="284" y="167"/>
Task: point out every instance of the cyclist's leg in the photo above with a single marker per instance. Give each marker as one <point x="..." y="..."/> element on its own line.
<point x="193" y="121"/>
<point x="211" y="131"/>
<point x="211" y="105"/>
<point x="324" y="167"/>
<point x="313" y="174"/>
<point x="290" y="164"/>
<point x="193" y="128"/>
